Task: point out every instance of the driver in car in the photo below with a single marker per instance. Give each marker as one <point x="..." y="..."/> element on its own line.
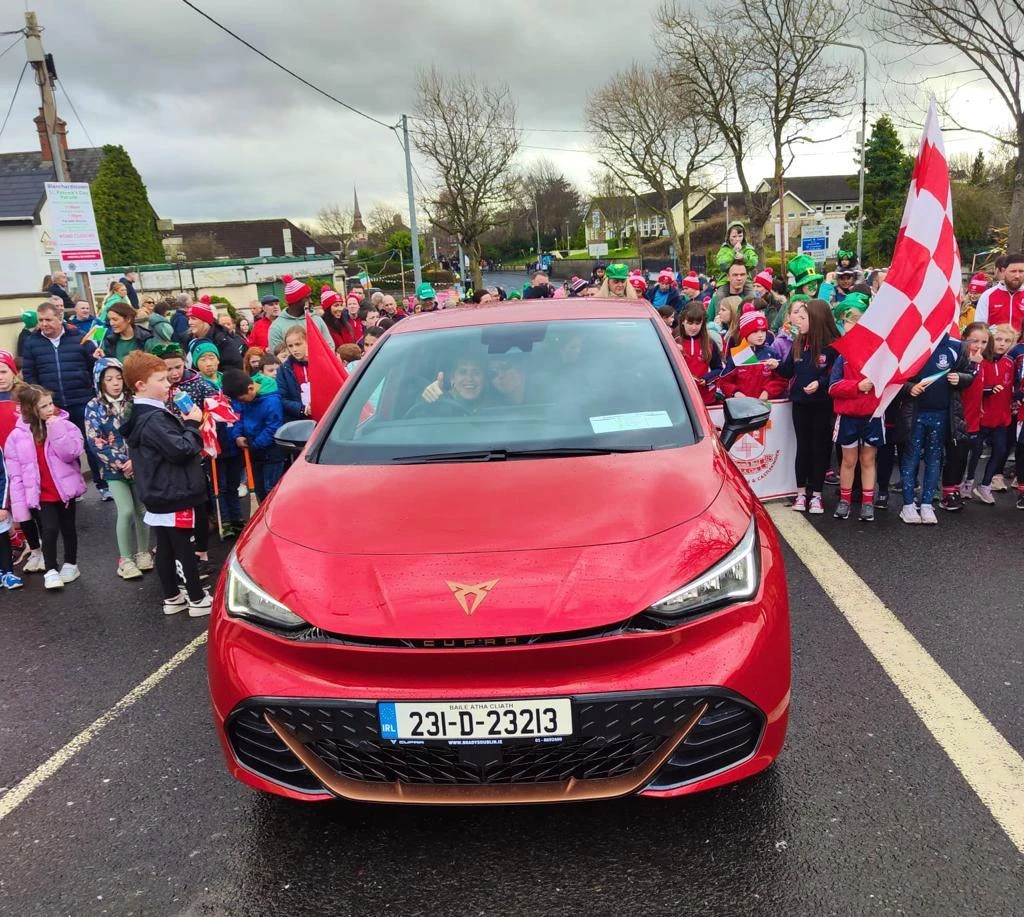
<point x="457" y="393"/>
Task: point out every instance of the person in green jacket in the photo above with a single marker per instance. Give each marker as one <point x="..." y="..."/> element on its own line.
<point x="735" y="248"/>
<point x="152" y="316"/>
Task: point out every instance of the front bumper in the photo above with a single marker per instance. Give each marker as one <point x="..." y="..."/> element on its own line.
<point x="661" y="713"/>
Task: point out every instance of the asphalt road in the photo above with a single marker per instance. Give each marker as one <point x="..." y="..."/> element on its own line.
<point x="864" y="813"/>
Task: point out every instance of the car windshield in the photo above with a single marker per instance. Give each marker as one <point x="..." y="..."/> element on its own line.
<point x="509" y="391"/>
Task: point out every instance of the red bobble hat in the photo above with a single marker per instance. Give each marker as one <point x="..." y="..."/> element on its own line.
<point x="765" y="278"/>
<point x="666" y="276"/>
<point x="751" y="320"/>
<point x="979" y="283"/>
<point x="7" y="358"/>
<point x="328" y="297"/>
<point x="295" y="290"/>
<point x="203" y="310"/>
<point x="691" y="283"/>
<point x="637" y="281"/>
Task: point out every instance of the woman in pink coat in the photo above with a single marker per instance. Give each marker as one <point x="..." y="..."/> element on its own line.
<point x="42" y="454"/>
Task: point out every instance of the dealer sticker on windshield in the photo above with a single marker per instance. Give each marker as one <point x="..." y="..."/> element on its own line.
<point x="476" y="721"/>
<point x="640" y="420"/>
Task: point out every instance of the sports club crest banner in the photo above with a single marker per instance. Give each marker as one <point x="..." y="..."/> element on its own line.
<point x="765" y="457"/>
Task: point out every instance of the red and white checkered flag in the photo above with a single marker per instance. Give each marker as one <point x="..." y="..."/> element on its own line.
<point x="920" y="299"/>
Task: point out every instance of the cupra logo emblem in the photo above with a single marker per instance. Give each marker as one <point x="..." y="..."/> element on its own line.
<point x="470" y="598"/>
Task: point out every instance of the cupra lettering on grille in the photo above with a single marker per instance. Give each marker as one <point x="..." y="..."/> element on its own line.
<point x="470" y="598"/>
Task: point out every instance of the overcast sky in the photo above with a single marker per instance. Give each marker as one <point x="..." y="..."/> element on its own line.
<point x="218" y="133"/>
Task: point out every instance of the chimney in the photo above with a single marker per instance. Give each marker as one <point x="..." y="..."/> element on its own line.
<point x="286" y="236"/>
<point x="61" y="132"/>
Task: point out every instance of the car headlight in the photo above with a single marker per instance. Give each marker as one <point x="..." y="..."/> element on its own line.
<point x="733" y="579"/>
<point x="246" y="600"/>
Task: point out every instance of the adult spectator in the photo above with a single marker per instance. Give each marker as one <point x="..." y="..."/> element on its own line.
<point x="737" y="283"/>
<point x="270" y="309"/>
<point x="296" y="298"/>
<point x="375" y="301"/>
<point x="877" y="279"/>
<point x="339" y="323"/>
<point x="389" y="307"/>
<point x="539" y="288"/>
<point x="1003" y="303"/>
<point x="82" y="318"/>
<point x="152" y="316"/>
<point x="59" y="288"/>
<point x="426" y="298"/>
<point x="57" y="359"/>
<point x="118" y="293"/>
<point x="664" y="292"/>
<point x="179" y="318"/>
<point x="30" y="323"/>
<point x="735" y="248"/>
<point x="129" y="280"/>
<point x="202" y="326"/>
<point x="124" y="335"/>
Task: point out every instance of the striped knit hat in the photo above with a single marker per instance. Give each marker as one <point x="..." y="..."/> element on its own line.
<point x="295" y="290"/>
<point x="328" y="297"/>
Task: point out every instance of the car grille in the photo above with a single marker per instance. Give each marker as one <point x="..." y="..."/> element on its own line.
<point x="615" y="735"/>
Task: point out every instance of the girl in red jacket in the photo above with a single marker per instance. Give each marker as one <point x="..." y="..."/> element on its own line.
<point x="955" y="489"/>
<point x="701" y="354"/>
<point x="996" y="377"/>
<point x="859" y="433"/>
<point x="758" y="380"/>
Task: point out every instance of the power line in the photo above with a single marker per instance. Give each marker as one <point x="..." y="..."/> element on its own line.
<point x="10" y="107"/>
<point x="281" y="66"/>
<point x="17" y="41"/>
<point x="81" y="123"/>
<point x="540" y="130"/>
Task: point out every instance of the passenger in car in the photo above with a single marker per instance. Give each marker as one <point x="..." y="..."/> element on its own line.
<point x="455" y="393"/>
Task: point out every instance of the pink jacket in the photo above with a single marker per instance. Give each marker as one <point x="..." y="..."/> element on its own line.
<point x="63" y="448"/>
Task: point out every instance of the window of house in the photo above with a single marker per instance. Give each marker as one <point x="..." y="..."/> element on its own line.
<point x="595" y="219"/>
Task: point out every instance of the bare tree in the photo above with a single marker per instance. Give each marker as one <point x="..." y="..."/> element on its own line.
<point x="380" y="222"/>
<point x="760" y="79"/>
<point x="615" y="201"/>
<point x="988" y="36"/>
<point x="548" y="196"/>
<point x="646" y="130"/>
<point x="468" y="131"/>
<point x="334" y="225"/>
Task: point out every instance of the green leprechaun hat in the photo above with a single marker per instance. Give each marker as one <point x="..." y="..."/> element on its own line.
<point x="804" y="271"/>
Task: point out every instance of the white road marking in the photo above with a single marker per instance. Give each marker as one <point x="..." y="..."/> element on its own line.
<point x="17" y="794"/>
<point x="989" y="764"/>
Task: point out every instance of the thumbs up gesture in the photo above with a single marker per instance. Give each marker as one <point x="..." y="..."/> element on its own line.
<point x="435" y="390"/>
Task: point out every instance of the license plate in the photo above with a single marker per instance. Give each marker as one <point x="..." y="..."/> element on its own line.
<point x="460" y="721"/>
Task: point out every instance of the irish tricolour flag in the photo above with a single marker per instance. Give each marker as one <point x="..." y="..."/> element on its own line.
<point x="742" y="354"/>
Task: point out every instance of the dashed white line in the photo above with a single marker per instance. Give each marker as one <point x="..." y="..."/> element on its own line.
<point x="17" y="794"/>
<point x="989" y="764"/>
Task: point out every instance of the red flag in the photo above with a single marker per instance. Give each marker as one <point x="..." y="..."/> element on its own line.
<point x="920" y="300"/>
<point x="326" y="374"/>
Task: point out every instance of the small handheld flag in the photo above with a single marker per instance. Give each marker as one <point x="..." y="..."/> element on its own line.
<point x="364" y="279"/>
<point x="743" y="355"/>
<point x="95" y="334"/>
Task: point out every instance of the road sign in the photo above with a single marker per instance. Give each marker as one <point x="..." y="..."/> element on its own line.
<point x="814" y="240"/>
<point x="74" y="226"/>
<point x="598" y="249"/>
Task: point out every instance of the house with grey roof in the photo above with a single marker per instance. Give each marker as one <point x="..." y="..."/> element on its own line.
<point x="27" y="249"/>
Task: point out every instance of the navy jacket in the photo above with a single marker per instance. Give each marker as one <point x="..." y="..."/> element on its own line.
<point x="133" y="296"/>
<point x="166" y="459"/>
<point x="290" y="390"/>
<point x="65" y="370"/>
<point x="803" y="371"/>
<point x="179" y="322"/>
<point x="57" y="290"/>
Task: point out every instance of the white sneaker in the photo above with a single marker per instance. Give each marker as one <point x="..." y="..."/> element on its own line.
<point x="984" y="494"/>
<point x="52" y="580"/>
<point x="928" y="514"/>
<point x="35" y="563"/>
<point x="126" y="569"/>
<point x="201" y="608"/>
<point x="69" y="573"/>
<point x="998" y="483"/>
<point x="910" y="514"/>
<point x="243" y="491"/>
<point x="966" y="488"/>
<point x="144" y="560"/>
<point x="178" y="603"/>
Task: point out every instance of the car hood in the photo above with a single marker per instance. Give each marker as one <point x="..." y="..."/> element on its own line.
<point x="518" y="505"/>
<point x="523" y="583"/>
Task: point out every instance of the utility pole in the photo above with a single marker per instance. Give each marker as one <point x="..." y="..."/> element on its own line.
<point x="536" y="217"/>
<point x="417" y="268"/>
<point x="45" y="73"/>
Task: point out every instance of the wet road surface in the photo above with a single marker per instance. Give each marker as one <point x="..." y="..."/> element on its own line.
<point x="863" y="813"/>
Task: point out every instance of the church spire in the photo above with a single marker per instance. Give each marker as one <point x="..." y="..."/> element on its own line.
<point x="357" y="218"/>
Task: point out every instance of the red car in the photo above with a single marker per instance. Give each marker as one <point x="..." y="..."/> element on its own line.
<point x="513" y="564"/>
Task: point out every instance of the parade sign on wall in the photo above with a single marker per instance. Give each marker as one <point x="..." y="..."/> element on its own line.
<point x="765" y="457"/>
<point x="73" y="225"/>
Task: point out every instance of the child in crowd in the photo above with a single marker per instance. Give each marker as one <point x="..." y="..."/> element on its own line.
<point x="7" y="578"/>
<point x="166" y="461"/>
<point x="997" y="381"/>
<point x="348" y="353"/>
<point x="720" y="328"/>
<point x="251" y="360"/>
<point x="668" y="316"/>
<point x="809" y="364"/>
<point x="43" y="455"/>
<point x="755" y="373"/>
<point x="206" y="359"/>
<point x="700" y="352"/>
<point x="849" y="310"/>
<point x="293" y="377"/>
<point x="8" y="402"/>
<point x="784" y="333"/>
<point x="858" y="433"/>
<point x="260" y="413"/>
<point x="954" y="489"/>
<point x="930" y="415"/>
<point x="104" y="417"/>
<point x="269" y="365"/>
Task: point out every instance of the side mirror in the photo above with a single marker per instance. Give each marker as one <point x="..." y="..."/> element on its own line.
<point x="294" y="435"/>
<point x="742" y="415"/>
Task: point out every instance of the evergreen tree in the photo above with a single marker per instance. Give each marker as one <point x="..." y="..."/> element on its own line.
<point x="887" y="170"/>
<point x="124" y="217"/>
<point x="979" y="171"/>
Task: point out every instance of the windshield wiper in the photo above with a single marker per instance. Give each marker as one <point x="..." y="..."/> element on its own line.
<point x="501" y="455"/>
